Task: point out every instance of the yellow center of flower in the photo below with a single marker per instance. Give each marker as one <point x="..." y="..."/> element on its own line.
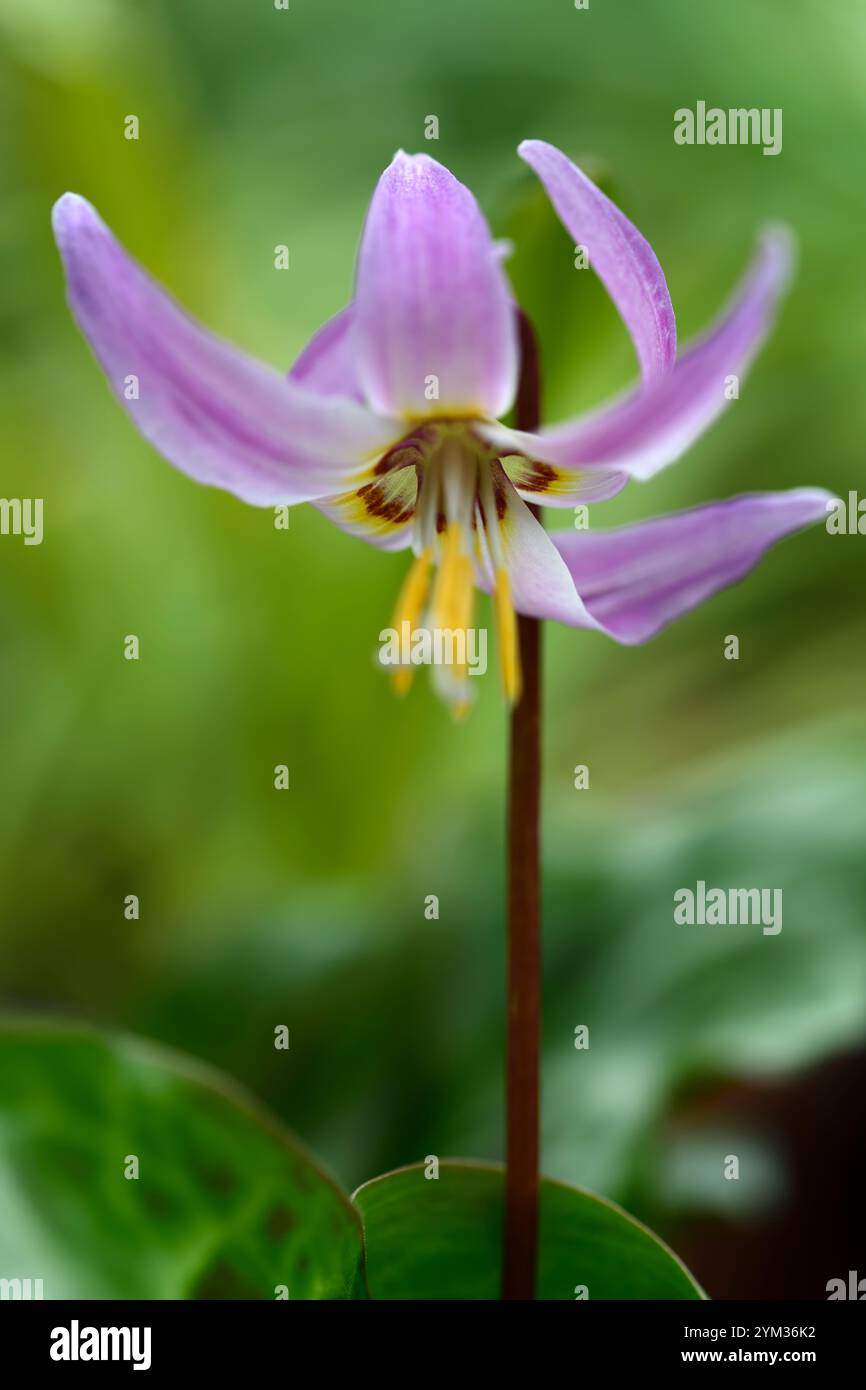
<point x="457" y="529"/>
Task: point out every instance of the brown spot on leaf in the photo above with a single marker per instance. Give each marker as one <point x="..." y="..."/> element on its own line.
<point x="219" y="1180"/>
<point x="222" y="1281"/>
<point x="279" y="1221"/>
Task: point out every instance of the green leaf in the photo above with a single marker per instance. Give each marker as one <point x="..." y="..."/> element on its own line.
<point x="442" y="1238"/>
<point x="227" y="1204"/>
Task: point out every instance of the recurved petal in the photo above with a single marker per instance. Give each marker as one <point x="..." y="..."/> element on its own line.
<point x="434" y="317"/>
<point x="645" y="430"/>
<point x="634" y="580"/>
<point x="218" y="415"/>
<point x="552" y="485"/>
<point x="621" y="257"/>
<point x="328" y="364"/>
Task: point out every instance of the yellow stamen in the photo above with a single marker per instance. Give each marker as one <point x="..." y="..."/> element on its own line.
<point x="506" y="628"/>
<point x="454" y="595"/>
<point x="452" y="600"/>
<point x="410" y="606"/>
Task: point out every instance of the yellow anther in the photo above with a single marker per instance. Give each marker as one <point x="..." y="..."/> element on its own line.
<point x="506" y="629"/>
<point x="454" y="594"/>
<point x="452" y="599"/>
<point x="409" y="609"/>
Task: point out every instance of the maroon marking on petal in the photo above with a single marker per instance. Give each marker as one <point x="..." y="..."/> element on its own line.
<point x="376" y="503"/>
<point x="538" y="477"/>
<point x="500" y="490"/>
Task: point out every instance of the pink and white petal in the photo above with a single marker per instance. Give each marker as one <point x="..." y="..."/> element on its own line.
<point x="431" y="299"/>
<point x="328" y="364"/>
<point x="551" y="486"/>
<point x="636" y="579"/>
<point x="541" y="585"/>
<point x="622" y="258"/>
<point x="647" y="429"/>
<point x="380" y="511"/>
<point x="215" y="413"/>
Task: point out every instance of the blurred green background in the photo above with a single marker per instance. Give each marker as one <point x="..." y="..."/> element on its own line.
<point x="260" y="127"/>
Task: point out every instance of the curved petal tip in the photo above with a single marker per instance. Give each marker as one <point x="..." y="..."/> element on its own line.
<point x="622" y="258"/>
<point x="71" y="208"/>
<point x="777" y="245"/>
<point x="214" y="412"/>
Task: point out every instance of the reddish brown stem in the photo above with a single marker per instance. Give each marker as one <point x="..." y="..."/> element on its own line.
<point x="524" y="922"/>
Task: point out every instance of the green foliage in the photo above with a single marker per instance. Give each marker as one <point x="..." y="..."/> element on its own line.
<point x="130" y="1172"/>
<point x="442" y="1238"/>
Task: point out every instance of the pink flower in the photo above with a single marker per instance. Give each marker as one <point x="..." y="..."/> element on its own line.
<point x="388" y="421"/>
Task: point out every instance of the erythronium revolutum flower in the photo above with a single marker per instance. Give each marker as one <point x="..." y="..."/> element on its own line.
<point x="388" y="420"/>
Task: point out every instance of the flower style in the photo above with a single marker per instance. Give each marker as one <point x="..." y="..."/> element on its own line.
<point x="389" y="420"/>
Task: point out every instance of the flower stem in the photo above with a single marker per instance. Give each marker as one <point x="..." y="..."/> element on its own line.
<point x="524" y="922"/>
